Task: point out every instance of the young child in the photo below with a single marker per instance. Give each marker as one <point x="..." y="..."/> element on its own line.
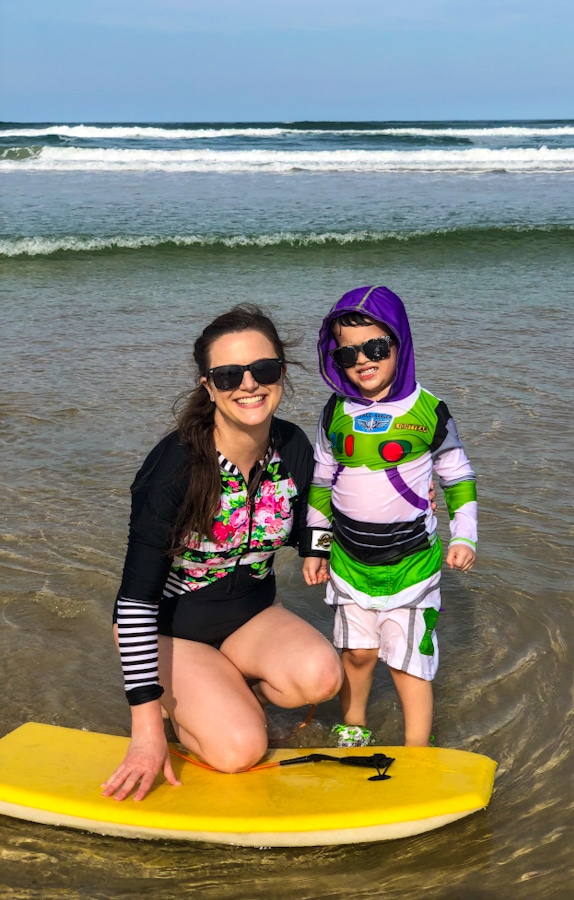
<point x="380" y="439"/>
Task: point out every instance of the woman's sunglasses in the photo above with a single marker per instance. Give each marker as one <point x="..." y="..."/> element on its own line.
<point x="374" y="349"/>
<point x="264" y="371"/>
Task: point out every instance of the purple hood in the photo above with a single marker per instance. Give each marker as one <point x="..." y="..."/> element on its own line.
<point x="385" y="307"/>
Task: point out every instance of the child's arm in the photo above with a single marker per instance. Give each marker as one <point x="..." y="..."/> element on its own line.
<point x="458" y="482"/>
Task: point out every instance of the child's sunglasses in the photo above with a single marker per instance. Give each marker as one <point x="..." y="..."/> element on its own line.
<point x="374" y="349"/>
<point x="264" y="371"/>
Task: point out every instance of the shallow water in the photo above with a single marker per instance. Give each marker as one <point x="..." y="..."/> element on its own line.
<point x="96" y="347"/>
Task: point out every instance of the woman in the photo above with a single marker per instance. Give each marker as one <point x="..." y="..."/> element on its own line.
<point x="199" y="629"/>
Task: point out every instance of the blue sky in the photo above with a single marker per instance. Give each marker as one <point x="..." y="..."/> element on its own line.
<point x="265" y="60"/>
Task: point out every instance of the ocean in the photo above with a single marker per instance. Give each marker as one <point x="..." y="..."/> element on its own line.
<point x="118" y="243"/>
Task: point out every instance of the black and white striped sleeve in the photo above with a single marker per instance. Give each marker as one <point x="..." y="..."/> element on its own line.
<point x="138" y="643"/>
<point x="157" y="494"/>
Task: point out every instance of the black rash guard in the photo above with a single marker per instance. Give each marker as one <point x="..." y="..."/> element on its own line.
<point x="214" y="587"/>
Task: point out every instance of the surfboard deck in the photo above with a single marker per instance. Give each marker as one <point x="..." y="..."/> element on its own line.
<point x="52" y="775"/>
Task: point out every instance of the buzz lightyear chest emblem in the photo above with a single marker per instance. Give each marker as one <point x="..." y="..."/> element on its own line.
<point x="372" y="423"/>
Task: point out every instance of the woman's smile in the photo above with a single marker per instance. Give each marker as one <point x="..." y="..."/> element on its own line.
<point x="250" y="404"/>
<point x="250" y="401"/>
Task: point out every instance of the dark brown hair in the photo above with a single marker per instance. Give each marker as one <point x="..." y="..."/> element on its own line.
<point x="195" y="413"/>
<point x="355" y="319"/>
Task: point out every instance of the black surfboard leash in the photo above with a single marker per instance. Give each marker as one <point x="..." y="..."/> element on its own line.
<point x="379" y="761"/>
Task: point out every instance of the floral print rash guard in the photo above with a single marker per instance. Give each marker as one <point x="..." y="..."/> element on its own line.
<point x="213" y="587"/>
<point x="247" y="531"/>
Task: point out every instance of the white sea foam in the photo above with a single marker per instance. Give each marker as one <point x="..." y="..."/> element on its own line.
<point x="502" y="131"/>
<point x="43" y="246"/>
<point x="122" y="132"/>
<point x="157" y="132"/>
<point x="475" y="160"/>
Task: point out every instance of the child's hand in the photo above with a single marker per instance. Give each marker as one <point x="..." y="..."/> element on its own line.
<point x="460" y="556"/>
<point x="315" y="570"/>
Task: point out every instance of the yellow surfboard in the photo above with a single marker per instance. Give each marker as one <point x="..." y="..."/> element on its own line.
<point x="52" y="775"/>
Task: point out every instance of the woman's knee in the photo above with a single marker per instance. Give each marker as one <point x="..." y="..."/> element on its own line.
<point x="237" y="751"/>
<point x="321" y="676"/>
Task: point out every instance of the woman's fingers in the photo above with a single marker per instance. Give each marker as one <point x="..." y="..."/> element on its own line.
<point x="169" y="774"/>
<point x="124" y="781"/>
<point x="138" y="772"/>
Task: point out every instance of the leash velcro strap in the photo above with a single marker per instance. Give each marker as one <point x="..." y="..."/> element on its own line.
<point x="378" y="761"/>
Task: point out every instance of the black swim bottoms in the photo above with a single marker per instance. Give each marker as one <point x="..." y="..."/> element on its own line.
<point x="212" y="613"/>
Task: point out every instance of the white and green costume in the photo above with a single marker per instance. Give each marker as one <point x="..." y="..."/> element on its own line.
<point x="373" y="468"/>
<point x="374" y="462"/>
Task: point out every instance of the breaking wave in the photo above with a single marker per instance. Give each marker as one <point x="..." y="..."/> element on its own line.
<point x="47" y="246"/>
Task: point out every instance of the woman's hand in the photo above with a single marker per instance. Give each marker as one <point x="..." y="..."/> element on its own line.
<point x="147" y="756"/>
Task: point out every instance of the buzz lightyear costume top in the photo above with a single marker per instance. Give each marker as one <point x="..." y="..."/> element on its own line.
<point x="374" y="461"/>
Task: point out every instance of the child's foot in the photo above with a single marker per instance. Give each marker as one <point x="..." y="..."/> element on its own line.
<point x="352" y="735"/>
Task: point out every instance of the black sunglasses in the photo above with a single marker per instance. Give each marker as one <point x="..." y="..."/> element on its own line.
<point x="374" y="349"/>
<point x="264" y="371"/>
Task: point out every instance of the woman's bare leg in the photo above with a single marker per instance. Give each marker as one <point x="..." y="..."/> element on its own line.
<point x="213" y="711"/>
<point x="294" y="664"/>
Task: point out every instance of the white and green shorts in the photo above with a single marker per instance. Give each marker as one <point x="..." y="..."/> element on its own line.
<point x="404" y="638"/>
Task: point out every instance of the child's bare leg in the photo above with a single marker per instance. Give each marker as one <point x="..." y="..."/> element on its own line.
<point x="359" y="668"/>
<point x="416" y="699"/>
